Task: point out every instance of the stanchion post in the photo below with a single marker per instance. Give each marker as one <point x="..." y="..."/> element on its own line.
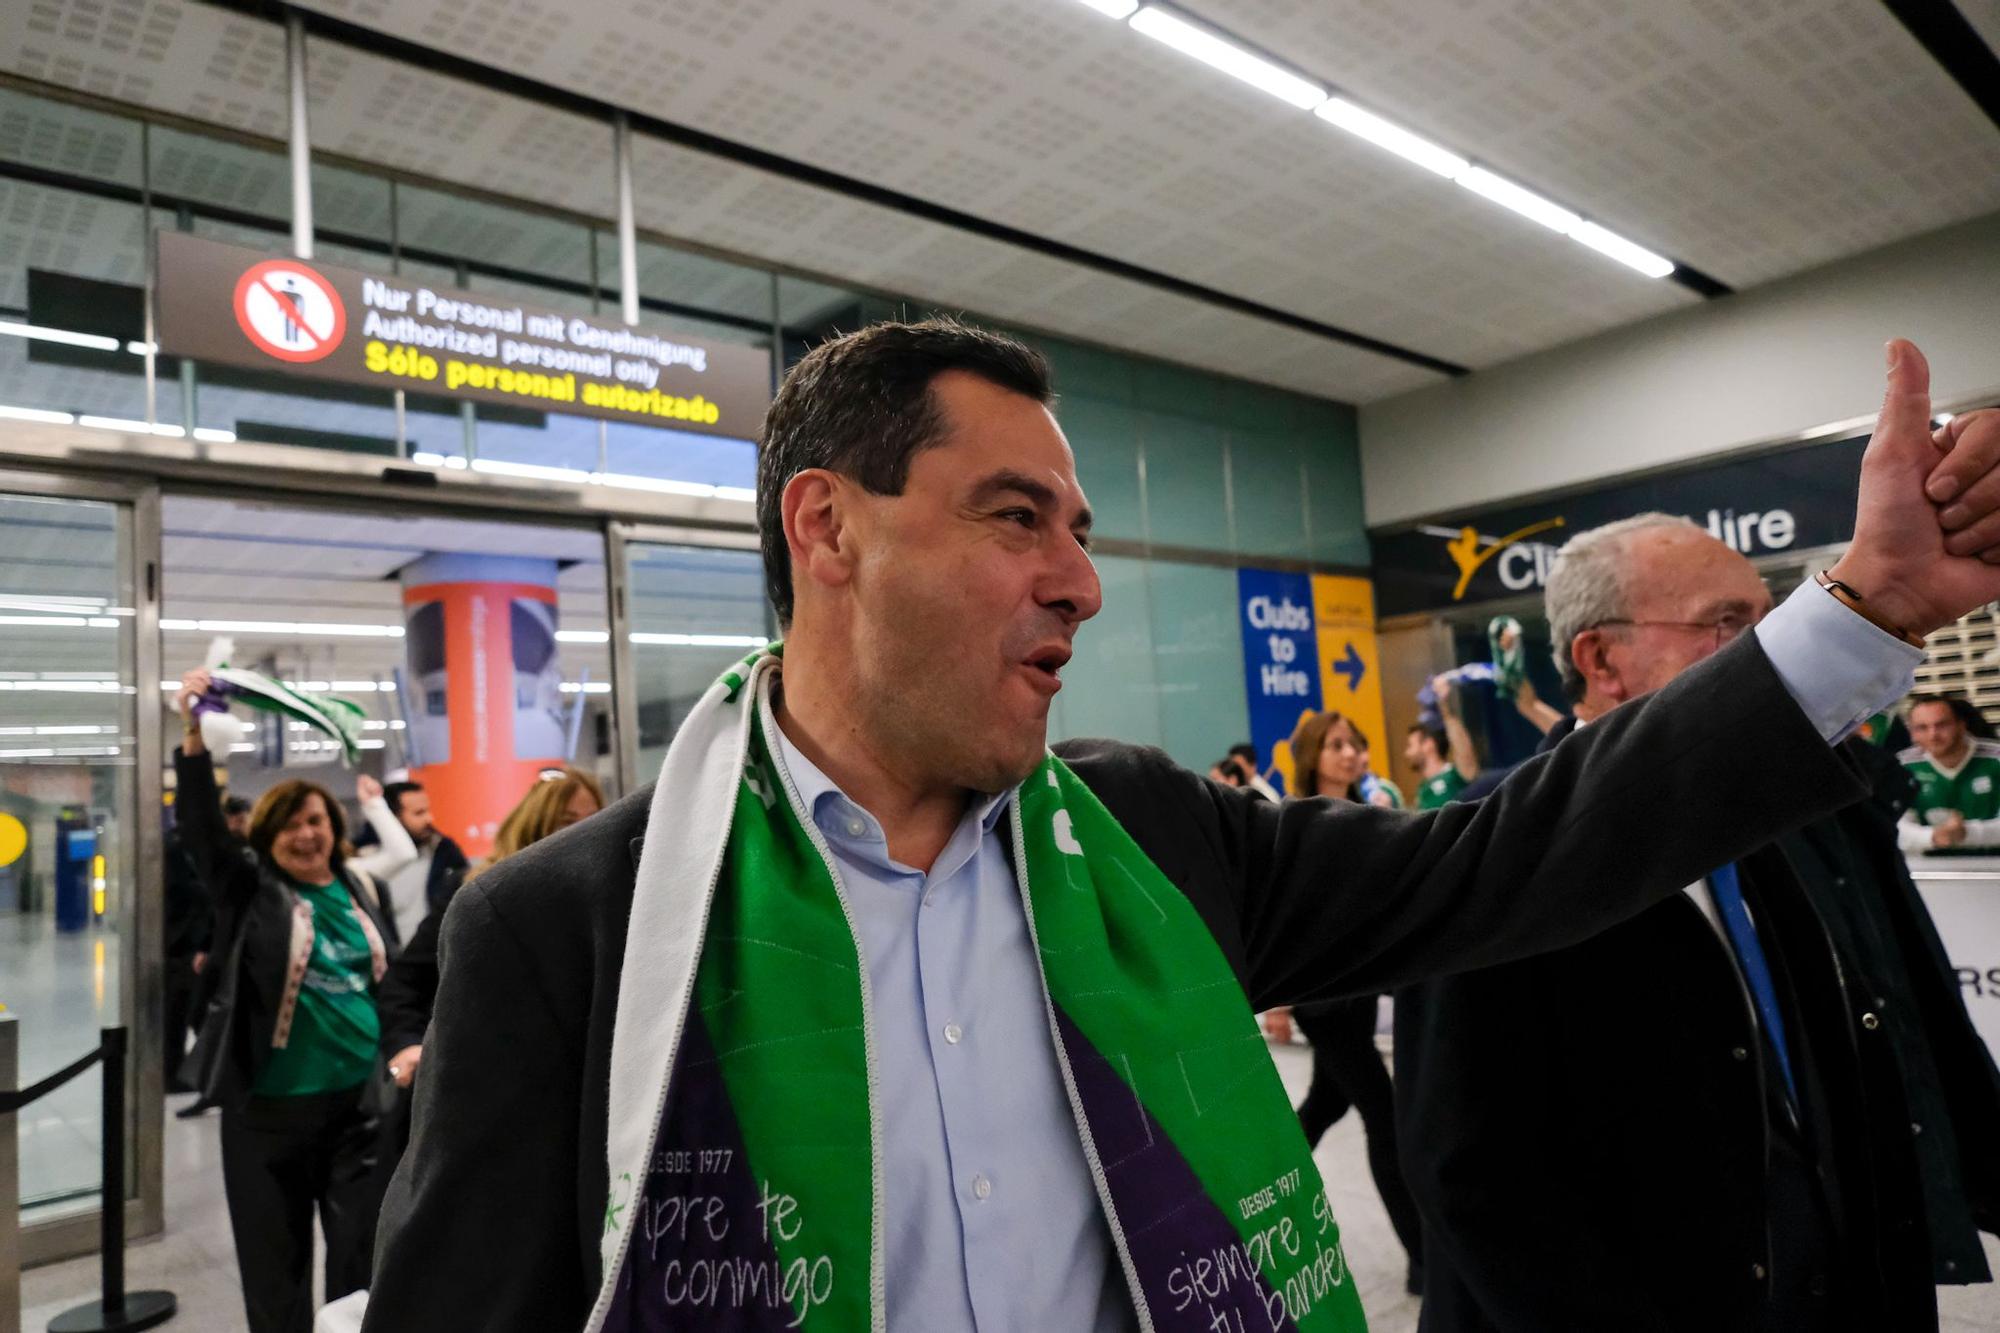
<point x="116" y="1310"/>
<point x="111" y="1218"/>
<point x="10" y="1180"/>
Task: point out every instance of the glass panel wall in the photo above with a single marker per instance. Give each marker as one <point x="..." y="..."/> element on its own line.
<point x="694" y="611"/>
<point x="67" y="808"/>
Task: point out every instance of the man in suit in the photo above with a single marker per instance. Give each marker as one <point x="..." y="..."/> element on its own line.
<point x="1700" y="1120"/>
<point x="830" y="1028"/>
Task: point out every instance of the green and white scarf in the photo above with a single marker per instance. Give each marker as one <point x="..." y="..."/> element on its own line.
<point x="745" y="1150"/>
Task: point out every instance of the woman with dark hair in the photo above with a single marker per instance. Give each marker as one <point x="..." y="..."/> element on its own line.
<point x="1329" y="759"/>
<point x="288" y="1047"/>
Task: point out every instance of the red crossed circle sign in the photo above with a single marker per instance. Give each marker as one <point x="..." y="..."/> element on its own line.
<point x="289" y="311"/>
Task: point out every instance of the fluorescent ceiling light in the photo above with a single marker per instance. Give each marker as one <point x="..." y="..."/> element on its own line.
<point x="583" y="636"/>
<point x="534" y="471"/>
<point x="1629" y="253"/>
<point x="38" y="414"/>
<point x="87" y="729"/>
<point x="42" y="333"/>
<point x="308" y="629"/>
<point x="65" y="686"/>
<point x="1525" y="202"/>
<point x="701" y="640"/>
<point x="1228" y="57"/>
<point x="586" y="687"/>
<point x="1385" y="134"/>
<point x="1116" y="9"/>
<point x="62" y="622"/>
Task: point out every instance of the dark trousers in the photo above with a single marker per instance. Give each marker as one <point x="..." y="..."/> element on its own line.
<point x="281" y="1158"/>
<point x="1348" y="1071"/>
<point x="180" y="1012"/>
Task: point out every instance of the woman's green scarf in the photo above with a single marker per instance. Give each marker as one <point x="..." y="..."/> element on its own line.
<point x="745" y="1154"/>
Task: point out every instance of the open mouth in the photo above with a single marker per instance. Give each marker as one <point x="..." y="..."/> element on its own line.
<point x="1045" y="668"/>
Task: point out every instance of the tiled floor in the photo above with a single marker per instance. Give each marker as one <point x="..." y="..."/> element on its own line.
<point x="196" y="1260"/>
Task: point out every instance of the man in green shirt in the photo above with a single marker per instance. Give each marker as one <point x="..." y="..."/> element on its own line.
<point x="1958" y="782"/>
<point x="1443" y="756"/>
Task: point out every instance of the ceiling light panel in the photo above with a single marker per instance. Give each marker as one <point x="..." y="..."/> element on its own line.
<point x="1629" y="253"/>
<point x="1228" y="57"/>
<point x="1386" y="134"/>
<point x="1116" y="9"/>
<point x="1523" y="201"/>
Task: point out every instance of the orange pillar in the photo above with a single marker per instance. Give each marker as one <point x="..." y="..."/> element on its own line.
<point x="485" y="685"/>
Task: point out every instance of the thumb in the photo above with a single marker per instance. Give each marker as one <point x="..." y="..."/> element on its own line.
<point x="1904" y="426"/>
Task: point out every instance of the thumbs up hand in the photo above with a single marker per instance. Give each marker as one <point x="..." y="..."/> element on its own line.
<point x="1926" y="546"/>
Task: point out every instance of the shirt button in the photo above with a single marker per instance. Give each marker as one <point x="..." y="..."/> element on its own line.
<point x="1740" y="1053"/>
<point x="981" y="1187"/>
<point x="1915" y="1128"/>
<point x="1757" y="1271"/>
<point x="952" y="1032"/>
<point x="928" y="896"/>
<point x="1870" y="1022"/>
<point x="855" y="826"/>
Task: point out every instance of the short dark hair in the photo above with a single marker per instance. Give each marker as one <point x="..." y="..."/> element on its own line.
<point x="235" y="805"/>
<point x="1964" y="710"/>
<point x="1246" y="751"/>
<point x="394" y="792"/>
<point x="861" y="406"/>
<point x="1439" y="737"/>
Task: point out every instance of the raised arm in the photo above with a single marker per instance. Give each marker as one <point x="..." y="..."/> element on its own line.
<point x="394" y="848"/>
<point x="1332" y="898"/>
<point x="1464" y="757"/>
<point x="225" y="864"/>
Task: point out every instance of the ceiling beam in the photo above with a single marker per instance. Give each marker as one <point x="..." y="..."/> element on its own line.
<point x="1956" y="46"/>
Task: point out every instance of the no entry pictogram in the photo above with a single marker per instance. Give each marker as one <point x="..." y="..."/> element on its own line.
<point x="289" y="311"/>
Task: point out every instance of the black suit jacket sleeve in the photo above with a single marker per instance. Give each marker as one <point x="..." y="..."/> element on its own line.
<point x="409" y="989"/>
<point x="227" y="866"/>
<point x="478" y="1231"/>
<point x="1336" y="898"/>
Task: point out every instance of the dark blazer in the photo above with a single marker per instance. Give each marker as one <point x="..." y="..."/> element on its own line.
<point x="493" y="1218"/>
<point x="409" y="989"/>
<point x="1886" y="935"/>
<point x="252" y="899"/>
<point x="1596" y="1139"/>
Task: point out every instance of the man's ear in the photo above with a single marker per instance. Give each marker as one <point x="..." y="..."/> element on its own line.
<point x="1590" y="653"/>
<point x="816" y="509"/>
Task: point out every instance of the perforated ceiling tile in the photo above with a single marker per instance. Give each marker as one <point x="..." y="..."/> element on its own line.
<point x="1750" y="140"/>
<point x="67" y="233"/>
<point x="61" y="137"/>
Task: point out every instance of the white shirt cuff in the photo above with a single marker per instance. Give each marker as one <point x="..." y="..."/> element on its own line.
<point x="1841" y="669"/>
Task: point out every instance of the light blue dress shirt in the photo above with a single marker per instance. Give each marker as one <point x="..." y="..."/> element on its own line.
<point x="992" y="1218"/>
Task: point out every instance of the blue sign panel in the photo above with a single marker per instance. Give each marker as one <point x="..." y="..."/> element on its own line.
<point x="1280" y="657"/>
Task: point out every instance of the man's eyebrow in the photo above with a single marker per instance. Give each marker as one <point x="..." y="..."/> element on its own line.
<point x="1031" y="488"/>
<point x="1726" y="605"/>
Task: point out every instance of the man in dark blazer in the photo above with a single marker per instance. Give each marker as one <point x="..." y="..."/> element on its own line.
<point x="1701" y="1120"/>
<point x="924" y="539"/>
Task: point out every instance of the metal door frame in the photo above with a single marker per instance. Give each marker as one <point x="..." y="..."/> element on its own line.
<point x="141" y="962"/>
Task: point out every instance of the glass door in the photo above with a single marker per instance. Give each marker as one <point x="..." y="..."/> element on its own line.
<point x="692" y="603"/>
<point x="78" y="872"/>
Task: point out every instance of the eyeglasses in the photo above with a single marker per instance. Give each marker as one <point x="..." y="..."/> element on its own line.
<point x="1726" y="629"/>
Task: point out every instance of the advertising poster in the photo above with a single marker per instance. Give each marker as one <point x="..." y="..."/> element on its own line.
<point x="1280" y="662"/>
<point x="1350" y="676"/>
